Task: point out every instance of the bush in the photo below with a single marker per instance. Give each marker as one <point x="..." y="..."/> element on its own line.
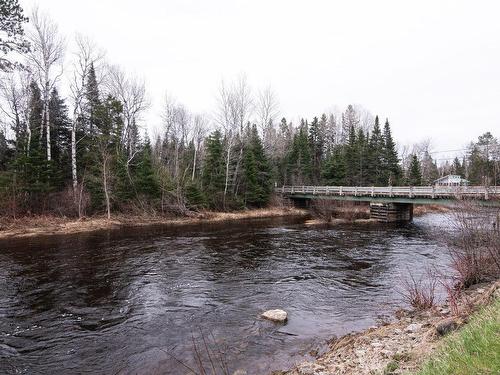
<point x="475" y="250"/>
<point x="420" y="293"/>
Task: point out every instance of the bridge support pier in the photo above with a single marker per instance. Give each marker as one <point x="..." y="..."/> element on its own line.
<point x="391" y="212"/>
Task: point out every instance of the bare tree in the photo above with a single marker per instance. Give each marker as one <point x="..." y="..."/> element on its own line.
<point x="86" y="55"/>
<point x="267" y="113"/>
<point x="199" y="131"/>
<point x="45" y="60"/>
<point x="14" y="93"/>
<point x="235" y="106"/>
<point x="131" y="92"/>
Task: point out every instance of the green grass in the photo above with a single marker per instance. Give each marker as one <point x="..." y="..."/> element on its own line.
<point x="474" y="350"/>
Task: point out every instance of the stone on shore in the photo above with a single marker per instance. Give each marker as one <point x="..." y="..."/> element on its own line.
<point x="276" y="315"/>
<point x="447" y="325"/>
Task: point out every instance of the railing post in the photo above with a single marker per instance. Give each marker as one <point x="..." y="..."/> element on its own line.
<point x="355" y="191"/>
<point x="340" y="192"/>
<point x="303" y="189"/>
<point x="373" y="191"/>
<point x="486" y="195"/>
<point x="433" y="192"/>
<point x="283" y="189"/>
<point x="390" y="191"/>
<point x="292" y="189"/>
<point x="314" y="190"/>
<point x="411" y="191"/>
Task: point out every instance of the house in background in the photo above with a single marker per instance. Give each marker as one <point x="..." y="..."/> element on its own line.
<point x="451" y="180"/>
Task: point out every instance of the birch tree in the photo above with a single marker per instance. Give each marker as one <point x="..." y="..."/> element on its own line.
<point x="235" y="106"/>
<point x="85" y="55"/>
<point x="45" y="61"/>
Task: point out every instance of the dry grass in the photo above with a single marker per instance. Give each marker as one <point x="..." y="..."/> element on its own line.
<point x="419" y="210"/>
<point x="49" y="225"/>
<point x="329" y="210"/>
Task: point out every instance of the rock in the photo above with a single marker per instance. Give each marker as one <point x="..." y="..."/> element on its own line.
<point x="446" y="325"/>
<point x="277" y="315"/>
<point x="414" y="327"/>
<point x="310" y="368"/>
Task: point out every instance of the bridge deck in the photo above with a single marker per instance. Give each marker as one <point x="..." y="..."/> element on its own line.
<point x="406" y="194"/>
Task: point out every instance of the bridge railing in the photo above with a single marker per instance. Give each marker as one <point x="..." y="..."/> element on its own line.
<point x="396" y="191"/>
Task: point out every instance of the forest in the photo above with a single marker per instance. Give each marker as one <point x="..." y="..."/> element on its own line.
<point x="89" y="152"/>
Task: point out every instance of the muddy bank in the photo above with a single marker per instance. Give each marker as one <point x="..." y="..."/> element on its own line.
<point x="419" y="210"/>
<point x="397" y="347"/>
<point x="50" y="225"/>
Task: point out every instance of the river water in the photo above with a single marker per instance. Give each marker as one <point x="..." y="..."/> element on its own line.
<point x="138" y="301"/>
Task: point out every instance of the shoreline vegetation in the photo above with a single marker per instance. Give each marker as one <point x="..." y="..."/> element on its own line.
<point x="417" y="341"/>
<point x="45" y="225"/>
<point x="52" y="225"/>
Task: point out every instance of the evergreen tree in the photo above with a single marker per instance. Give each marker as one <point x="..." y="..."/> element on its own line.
<point x="334" y="172"/>
<point x="391" y="168"/>
<point x="256" y="171"/>
<point x="351" y="158"/>
<point x="93" y="101"/>
<point x="145" y="179"/>
<point x="376" y="156"/>
<point x="11" y="26"/>
<point x="213" y="176"/>
<point x="61" y="139"/>
<point x="414" y="174"/>
<point x="457" y="168"/>
<point x="361" y="149"/>
<point x="317" y="145"/>
<point x="299" y="157"/>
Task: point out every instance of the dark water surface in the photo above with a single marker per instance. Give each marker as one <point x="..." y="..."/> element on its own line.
<point x="127" y="301"/>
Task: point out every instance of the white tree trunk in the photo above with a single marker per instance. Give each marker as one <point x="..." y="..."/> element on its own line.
<point x="194" y="163"/>
<point x="73" y="158"/>
<point x="228" y="156"/>
<point x="47" y="113"/>
<point x="105" y="184"/>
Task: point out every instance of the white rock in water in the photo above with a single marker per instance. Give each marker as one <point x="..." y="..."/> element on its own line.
<point x="275" y="315"/>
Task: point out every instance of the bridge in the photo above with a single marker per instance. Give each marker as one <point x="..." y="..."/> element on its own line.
<point x="395" y="203"/>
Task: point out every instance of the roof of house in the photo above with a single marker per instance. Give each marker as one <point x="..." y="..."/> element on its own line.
<point x="451" y="177"/>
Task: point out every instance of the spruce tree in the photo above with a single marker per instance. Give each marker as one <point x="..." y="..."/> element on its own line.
<point x="213" y="176"/>
<point x="61" y="138"/>
<point x="145" y="179"/>
<point x="414" y="174"/>
<point x="391" y="168"/>
<point x="317" y="145"/>
<point x="351" y="158"/>
<point x="334" y="171"/>
<point x="299" y="157"/>
<point x="256" y="171"/>
<point x="376" y="156"/>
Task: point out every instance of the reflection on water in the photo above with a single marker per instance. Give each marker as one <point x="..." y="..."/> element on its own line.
<point x="127" y="301"/>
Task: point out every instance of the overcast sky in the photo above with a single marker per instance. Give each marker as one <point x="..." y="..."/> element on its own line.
<point x="432" y="67"/>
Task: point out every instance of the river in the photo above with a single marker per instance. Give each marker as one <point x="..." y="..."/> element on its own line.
<point x="133" y="301"/>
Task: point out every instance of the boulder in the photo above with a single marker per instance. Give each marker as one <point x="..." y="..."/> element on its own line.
<point x="276" y="315"/>
<point x="447" y="325"/>
<point x="414" y="327"/>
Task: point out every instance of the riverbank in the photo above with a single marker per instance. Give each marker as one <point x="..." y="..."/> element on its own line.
<point x="52" y="225"/>
<point x="401" y="346"/>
